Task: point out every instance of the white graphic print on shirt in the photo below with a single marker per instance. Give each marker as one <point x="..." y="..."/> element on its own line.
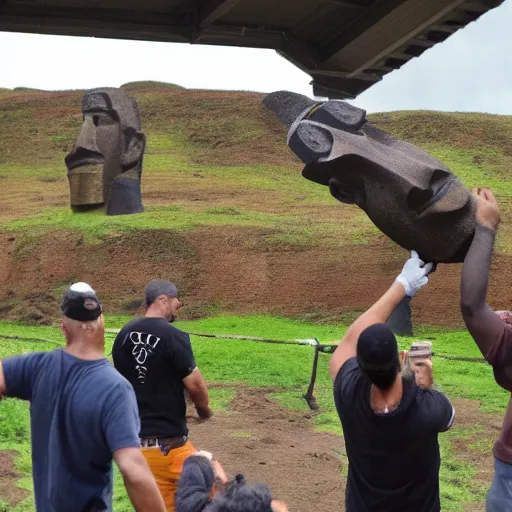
<point x="143" y="345"/>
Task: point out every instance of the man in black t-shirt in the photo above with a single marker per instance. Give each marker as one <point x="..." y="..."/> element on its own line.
<point x="158" y="361"/>
<point x="390" y="423"/>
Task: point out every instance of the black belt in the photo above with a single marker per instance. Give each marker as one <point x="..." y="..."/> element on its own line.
<point x="166" y="444"/>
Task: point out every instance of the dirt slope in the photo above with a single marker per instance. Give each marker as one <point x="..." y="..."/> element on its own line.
<point x="229" y="217"/>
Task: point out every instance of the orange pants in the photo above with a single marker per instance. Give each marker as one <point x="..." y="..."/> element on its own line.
<point x="167" y="469"/>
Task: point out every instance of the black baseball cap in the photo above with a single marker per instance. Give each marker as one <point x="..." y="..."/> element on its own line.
<point x="377" y="355"/>
<point x="81" y="303"/>
<point x="157" y="287"/>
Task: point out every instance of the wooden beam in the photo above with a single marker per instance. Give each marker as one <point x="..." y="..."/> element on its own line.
<point x="450" y="29"/>
<point x="399" y="55"/>
<point x="366" y="77"/>
<point x="368" y="18"/>
<point x="348" y="3"/>
<point x="339" y="88"/>
<point x="417" y="41"/>
<point x="399" y="28"/>
<point x="76" y="24"/>
<point x="242" y="36"/>
<point x="299" y="52"/>
<point x="98" y="22"/>
<point x="212" y="10"/>
<point x="483" y="5"/>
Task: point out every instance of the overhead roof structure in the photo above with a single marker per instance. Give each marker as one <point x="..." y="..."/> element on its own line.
<point x="345" y="45"/>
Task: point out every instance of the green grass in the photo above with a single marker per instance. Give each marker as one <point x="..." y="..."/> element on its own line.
<point x="168" y="218"/>
<point x="461" y="162"/>
<point x="457" y="476"/>
<point x="290" y="229"/>
<point x="224" y="143"/>
<point x="286" y="368"/>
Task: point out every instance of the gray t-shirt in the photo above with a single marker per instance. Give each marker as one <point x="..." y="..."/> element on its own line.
<point x="81" y="412"/>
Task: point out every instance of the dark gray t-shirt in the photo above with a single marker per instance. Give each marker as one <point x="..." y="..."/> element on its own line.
<point x="81" y="412"/>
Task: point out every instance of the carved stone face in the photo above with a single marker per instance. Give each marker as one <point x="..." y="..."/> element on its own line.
<point x="105" y="164"/>
<point x="410" y="196"/>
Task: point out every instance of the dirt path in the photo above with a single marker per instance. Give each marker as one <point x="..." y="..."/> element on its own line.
<point x="8" y="476"/>
<point x="277" y="446"/>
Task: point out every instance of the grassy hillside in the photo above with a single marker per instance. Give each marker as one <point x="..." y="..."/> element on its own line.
<point x="228" y="215"/>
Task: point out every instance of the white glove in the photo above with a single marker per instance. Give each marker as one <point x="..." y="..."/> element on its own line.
<point x="414" y="274"/>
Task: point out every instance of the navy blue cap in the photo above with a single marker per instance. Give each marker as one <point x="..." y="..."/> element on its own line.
<point x="81" y="303"/>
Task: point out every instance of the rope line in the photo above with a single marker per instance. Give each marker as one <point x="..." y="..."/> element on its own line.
<point x="328" y="349"/>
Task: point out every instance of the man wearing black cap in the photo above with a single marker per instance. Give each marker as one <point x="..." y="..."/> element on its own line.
<point x="390" y="423"/>
<point x="83" y="414"/>
<point x="158" y="360"/>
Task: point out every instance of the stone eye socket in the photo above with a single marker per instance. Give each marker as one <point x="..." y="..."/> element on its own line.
<point x="102" y="120"/>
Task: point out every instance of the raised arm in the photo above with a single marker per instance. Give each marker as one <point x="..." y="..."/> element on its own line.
<point x="486" y="328"/>
<point x="412" y="278"/>
<point x="138" y="480"/>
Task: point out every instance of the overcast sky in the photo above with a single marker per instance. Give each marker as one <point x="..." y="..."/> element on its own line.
<point x="471" y="71"/>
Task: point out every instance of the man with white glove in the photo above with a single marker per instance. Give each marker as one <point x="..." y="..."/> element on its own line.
<point x="390" y="423"/>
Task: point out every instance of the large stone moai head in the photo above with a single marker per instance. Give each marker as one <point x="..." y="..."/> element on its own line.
<point x="409" y="195"/>
<point x="105" y="164"/>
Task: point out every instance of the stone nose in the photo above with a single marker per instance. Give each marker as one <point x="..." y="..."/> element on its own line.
<point x="87" y="136"/>
<point x="420" y="198"/>
<point x="85" y="147"/>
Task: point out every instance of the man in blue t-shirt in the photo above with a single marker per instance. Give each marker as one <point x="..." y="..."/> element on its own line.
<point x="390" y="422"/>
<point x="83" y="414"/>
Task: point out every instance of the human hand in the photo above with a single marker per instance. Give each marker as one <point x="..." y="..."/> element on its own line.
<point x="487" y="209"/>
<point x="204" y="413"/>
<point x="414" y="274"/>
<point x="220" y="474"/>
<point x="422" y="369"/>
<point x="278" y="506"/>
<point x="506" y="316"/>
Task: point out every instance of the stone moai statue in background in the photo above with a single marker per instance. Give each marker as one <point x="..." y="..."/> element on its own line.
<point x="410" y="196"/>
<point x="105" y="164"/>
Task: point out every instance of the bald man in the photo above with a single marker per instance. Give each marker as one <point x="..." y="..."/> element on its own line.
<point x="83" y="415"/>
